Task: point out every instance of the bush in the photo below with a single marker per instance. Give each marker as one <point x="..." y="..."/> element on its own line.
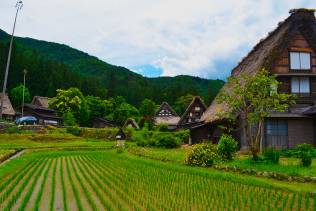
<point x="162" y="127"/>
<point x="99" y="133"/>
<point x="299" y="150"/>
<point x="306" y="159"/>
<point x="183" y="135"/>
<point x="76" y="131"/>
<point x="202" y="155"/>
<point x="272" y="155"/>
<point x="227" y="147"/>
<point x="69" y="119"/>
<point x="166" y="140"/>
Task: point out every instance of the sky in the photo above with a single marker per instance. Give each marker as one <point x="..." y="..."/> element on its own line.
<point x="204" y="38"/>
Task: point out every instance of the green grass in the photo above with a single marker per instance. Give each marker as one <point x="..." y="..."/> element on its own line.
<point x="36" y="141"/>
<point x="122" y="181"/>
<point x="289" y="166"/>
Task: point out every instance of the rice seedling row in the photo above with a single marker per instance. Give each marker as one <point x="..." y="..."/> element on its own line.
<point x="105" y="180"/>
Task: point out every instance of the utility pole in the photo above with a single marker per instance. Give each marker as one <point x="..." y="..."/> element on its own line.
<point x="18" y="7"/>
<point x="24" y="72"/>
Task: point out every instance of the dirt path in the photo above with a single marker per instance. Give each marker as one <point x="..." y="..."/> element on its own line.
<point x="58" y="204"/>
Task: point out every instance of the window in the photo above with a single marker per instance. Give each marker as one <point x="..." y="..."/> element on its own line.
<point x="197" y="108"/>
<point x="300" y="85"/>
<point x="300" y="61"/>
<point x="276" y="128"/>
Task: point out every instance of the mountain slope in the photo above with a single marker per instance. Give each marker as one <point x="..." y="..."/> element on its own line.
<point x="52" y="65"/>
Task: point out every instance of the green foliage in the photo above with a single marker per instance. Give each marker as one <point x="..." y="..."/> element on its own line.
<point x="202" y="155"/>
<point x="182" y="103"/>
<point x="183" y="135"/>
<point x="147" y="108"/>
<point x="16" y="96"/>
<point x="162" y="127"/>
<point x="74" y="130"/>
<point x="99" y="133"/>
<point x="306" y="159"/>
<point x="227" y="146"/>
<point x="299" y="150"/>
<point x="272" y="155"/>
<point x="97" y="107"/>
<point x="71" y="100"/>
<point x="253" y="97"/>
<point x="167" y="140"/>
<point x="69" y="119"/>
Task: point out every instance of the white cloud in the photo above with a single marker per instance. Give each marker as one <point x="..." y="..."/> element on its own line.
<point x="180" y="36"/>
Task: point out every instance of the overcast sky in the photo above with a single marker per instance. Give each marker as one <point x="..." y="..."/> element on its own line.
<point x="203" y="38"/>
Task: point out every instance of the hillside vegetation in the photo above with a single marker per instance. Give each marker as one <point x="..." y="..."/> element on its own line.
<point x="51" y="66"/>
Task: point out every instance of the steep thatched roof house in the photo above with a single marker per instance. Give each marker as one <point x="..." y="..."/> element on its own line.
<point x="193" y="113"/>
<point x="8" y="110"/>
<point x="166" y="115"/>
<point x="39" y="108"/>
<point x="40" y="101"/>
<point x="130" y="122"/>
<point x="289" y="52"/>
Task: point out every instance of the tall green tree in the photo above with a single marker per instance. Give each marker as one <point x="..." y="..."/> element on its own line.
<point x="73" y="101"/>
<point x="16" y="96"/>
<point x="147" y="112"/>
<point x="252" y="98"/>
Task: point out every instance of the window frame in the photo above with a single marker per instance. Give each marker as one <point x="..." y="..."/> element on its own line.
<point x="300" y="70"/>
<point x="301" y="93"/>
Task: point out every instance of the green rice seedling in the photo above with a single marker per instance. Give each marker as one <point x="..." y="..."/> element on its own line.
<point x="52" y="198"/>
<point x="18" y="193"/>
<point x="74" y="188"/>
<point x="84" y="188"/>
<point x="63" y="185"/>
<point x="32" y="186"/>
<point x="40" y="192"/>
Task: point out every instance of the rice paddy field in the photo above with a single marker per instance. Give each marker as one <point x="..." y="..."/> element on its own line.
<point x="107" y="180"/>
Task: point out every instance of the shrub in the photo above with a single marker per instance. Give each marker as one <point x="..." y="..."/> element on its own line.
<point x="299" y="150"/>
<point x="76" y="131"/>
<point x="99" y="133"/>
<point x="272" y="155"/>
<point x="13" y="129"/>
<point x="162" y="127"/>
<point x="69" y="119"/>
<point x="166" y="140"/>
<point x="202" y="155"/>
<point x="306" y="159"/>
<point x="183" y="135"/>
<point x="227" y="147"/>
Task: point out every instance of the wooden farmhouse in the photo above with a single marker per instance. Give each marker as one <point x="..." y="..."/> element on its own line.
<point x="40" y="110"/>
<point x="193" y="113"/>
<point x="102" y="123"/>
<point x="289" y="52"/>
<point x="131" y="123"/>
<point x="166" y="115"/>
<point x="8" y="110"/>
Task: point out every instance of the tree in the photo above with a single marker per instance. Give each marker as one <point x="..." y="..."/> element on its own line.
<point x="71" y="100"/>
<point x="147" y="112"/>
<point x="97" y="107"/>
<point x="69" y="119"/>
<point x="252" y="98"/>
<point x="16" y="96"/>
<point x="182" y="103"/>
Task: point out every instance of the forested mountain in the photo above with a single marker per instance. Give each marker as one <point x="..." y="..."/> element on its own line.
<point x="51" y="66"/>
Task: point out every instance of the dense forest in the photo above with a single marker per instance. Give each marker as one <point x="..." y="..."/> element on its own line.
<point x="51" y="66"/>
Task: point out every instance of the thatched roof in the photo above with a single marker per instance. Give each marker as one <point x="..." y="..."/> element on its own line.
<point x="266" y="51"/>
<point x="166" y="106"/>
<point x="40" y="101"/>
<point x="195" y="101"/>
<point x="166" y="115"/>
<point x="7" y="106"/>
<point x="131" y="122"/>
